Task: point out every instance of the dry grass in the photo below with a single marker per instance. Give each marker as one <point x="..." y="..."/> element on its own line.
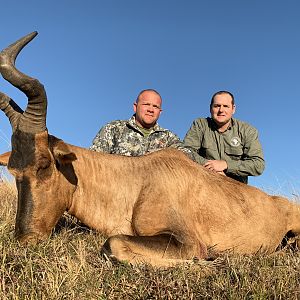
<point x="68" y="266"/>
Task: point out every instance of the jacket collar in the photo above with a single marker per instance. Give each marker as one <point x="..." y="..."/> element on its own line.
<point x="131" y="122"/>
<point x="214" y="126"/>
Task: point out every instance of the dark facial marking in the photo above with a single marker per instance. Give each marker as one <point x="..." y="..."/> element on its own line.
<point x="25" y="207"/>
<point x="23" y="153"/>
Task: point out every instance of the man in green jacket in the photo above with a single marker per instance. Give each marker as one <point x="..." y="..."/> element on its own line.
<point x="224" y="144"/>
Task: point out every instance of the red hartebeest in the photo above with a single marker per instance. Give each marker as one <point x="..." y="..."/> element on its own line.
<point x="161" y="208"/>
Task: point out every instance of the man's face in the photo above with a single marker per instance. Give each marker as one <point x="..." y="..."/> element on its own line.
<point x="222" y="109"/>
<point x="147" y="109"/>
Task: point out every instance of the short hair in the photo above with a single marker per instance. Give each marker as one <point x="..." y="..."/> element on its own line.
<point x="220" y="93"/>
<point x="147" y="90"/>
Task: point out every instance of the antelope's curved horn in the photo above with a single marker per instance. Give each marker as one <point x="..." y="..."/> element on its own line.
<point x="34" y="117"/>
<point x="11" y="109"/>
<point x="9" y="55"/>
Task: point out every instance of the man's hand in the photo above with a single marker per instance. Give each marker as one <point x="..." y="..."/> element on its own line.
<point x="216" y="165"/>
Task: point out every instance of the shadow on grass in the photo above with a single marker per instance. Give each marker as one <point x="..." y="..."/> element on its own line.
<point x="72" y="224"/>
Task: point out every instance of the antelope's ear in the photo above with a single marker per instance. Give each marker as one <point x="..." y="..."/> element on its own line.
<point x="62" y="153"/>
<point x="4" y="158"/>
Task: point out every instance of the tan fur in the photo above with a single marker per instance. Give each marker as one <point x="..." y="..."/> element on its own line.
<point x="161" y="208"/>
<point x="167" y="196"/>
<point x="175" y="207"/>
<point x="4" y="157"/>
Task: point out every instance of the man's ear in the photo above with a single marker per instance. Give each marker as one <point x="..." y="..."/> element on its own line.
<point x="4" y="158"/>
<point x="62" y="153"/>
<point x="134" y="106"/>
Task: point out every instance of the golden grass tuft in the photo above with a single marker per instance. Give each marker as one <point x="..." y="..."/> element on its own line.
<point x="68" y="266"/>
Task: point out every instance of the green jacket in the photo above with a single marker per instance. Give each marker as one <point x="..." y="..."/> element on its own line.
<point x="238" y="146"/>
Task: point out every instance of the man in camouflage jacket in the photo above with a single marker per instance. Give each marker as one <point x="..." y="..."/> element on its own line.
<point x="140" y="134"/>
<point x="223" y="144"/>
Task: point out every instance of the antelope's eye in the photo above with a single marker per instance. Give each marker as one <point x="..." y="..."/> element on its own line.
<point x="43" y="169"/>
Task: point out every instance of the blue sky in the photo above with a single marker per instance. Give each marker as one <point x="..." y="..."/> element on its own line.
<point x="94" y="56"/>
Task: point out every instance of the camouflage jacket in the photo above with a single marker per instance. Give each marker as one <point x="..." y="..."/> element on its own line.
<point x="125" y="138"/>
<point x="238" y="146"/>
